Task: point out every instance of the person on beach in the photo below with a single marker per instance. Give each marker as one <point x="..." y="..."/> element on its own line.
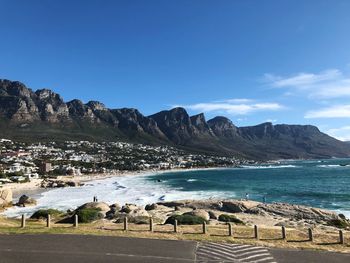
<point x="264" y="199"/>
<point x="246" y="196"/>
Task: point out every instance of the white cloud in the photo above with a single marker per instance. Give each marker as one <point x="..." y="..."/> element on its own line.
<point x="337" y="111"/>
<point x="328" y="84"/>
<point x="342" y="133"/>
<point x="271" y="120"/>
<point x="236" y="101"/>
<point x="235" y="107"/>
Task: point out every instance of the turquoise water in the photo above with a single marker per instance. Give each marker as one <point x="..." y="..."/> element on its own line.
<point x="323" y="184"/>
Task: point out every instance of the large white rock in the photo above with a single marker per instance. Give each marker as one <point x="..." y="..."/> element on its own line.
<point x="5" y="197"/>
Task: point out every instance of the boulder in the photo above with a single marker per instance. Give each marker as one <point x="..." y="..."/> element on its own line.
<point x="114" y="209"/>
<point x="297" y="212"/>
<point x="151" y="207"/>
<point x="104" y="207"/>
<point x="127" y="208"/>
<point x="213" y="215"/>
<point x="5" y="197"/>
<point x="199" y="213"/>
<point x="25" y="200"/>
<point x="137" y="216"/>
<point x="138" y="212"/>
<point x="237" y="206"/>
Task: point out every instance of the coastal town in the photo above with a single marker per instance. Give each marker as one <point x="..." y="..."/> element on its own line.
<point x="21" y="162"/>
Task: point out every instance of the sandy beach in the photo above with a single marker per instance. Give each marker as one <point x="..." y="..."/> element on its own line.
<point x="33" y="188"/>
<point x="35" y="184"/>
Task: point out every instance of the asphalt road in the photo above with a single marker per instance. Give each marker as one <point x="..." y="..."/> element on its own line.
<point x="75" y="248"/>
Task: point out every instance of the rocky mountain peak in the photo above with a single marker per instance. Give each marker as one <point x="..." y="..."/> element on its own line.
<point x="198" y="119"/>
<point x="222" y="126"/>
<point x="15" y="88"/>
<point x="96" y="105"/>
<point x="48" y="95"/>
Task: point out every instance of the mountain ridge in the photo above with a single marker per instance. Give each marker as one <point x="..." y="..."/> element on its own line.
<point x="43" y="114"/>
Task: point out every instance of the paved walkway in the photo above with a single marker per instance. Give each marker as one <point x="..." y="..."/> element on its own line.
<point x="88" y="249"/>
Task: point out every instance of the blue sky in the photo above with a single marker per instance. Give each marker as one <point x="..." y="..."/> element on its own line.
<point x="252" y="61"/>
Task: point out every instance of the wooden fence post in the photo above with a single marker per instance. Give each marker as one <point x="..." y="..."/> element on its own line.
<point x="284" y="234"/>
<point x="175" y="226"/>
<point x="311" y="236"/>
<point x="76" y="221"/>
<point x="125" y="223"/>
<point x="23" y="221"/>
<point x="151" y="224"/>
<point x="48" y="221"/>
<point x="256" y="232"/>
<point x="230" y="232"/>
<point x="341" y="237"/>
<point x="204" y="227"/>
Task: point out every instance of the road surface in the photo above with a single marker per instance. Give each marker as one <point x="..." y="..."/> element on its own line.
<point x="87" y="249"/>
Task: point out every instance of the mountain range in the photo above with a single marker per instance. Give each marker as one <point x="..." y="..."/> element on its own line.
<point x="29" y="115"/>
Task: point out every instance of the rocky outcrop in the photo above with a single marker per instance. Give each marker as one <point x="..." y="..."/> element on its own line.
<point x="5" y="198"/>
<point x="211" y="208"/>
<point x="213" y="212"/>
<point x="52" y="183"/>
<point x="297" y="212"/>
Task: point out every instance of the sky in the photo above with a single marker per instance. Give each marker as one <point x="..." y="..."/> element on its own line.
<point x="252" y="61"/>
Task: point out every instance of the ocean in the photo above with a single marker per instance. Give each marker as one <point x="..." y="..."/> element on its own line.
<point x="317" y="183"/>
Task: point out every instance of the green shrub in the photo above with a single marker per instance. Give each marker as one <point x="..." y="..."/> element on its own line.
<point x="43" y="213"/>
<point x="342" y="216"/>
<point x="230" y="218"/>
<point x="185" y="220"/>
<point x="88" y="215"/>
<point x="126" y="209"/>
<point x="339" y="223"/>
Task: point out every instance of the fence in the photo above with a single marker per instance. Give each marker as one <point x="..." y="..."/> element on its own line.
<point x="230" y="230"/>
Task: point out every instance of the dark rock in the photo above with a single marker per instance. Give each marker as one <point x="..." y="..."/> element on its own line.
<point x="151" y="207"/>
<point x="25" y="200"/>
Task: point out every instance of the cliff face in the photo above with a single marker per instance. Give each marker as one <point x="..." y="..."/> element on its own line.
<point x="223" y="127"/>
<point x="44" y="115"/>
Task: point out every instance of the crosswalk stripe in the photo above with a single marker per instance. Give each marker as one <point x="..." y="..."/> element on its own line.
<point x="207" y="255"/>
<point x="232" y="253"/>
<point x="220" y="249"/>
<point x="255" y="256"/>
<point x="251" y="248"/>
<point x="221" y="256"/>
<point x="253" y="251"/>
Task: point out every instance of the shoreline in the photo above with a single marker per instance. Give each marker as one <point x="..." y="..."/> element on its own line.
<point x="35" y="184"/>
<point x="34" y="190"/>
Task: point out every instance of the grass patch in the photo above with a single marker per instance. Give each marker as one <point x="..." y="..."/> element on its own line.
<point x="339" y="223"/>
<point x="230" y="219"/>
<point x="43" y="213"/>
<point x="185" y="220"/>
<point x="88" y="215"/>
